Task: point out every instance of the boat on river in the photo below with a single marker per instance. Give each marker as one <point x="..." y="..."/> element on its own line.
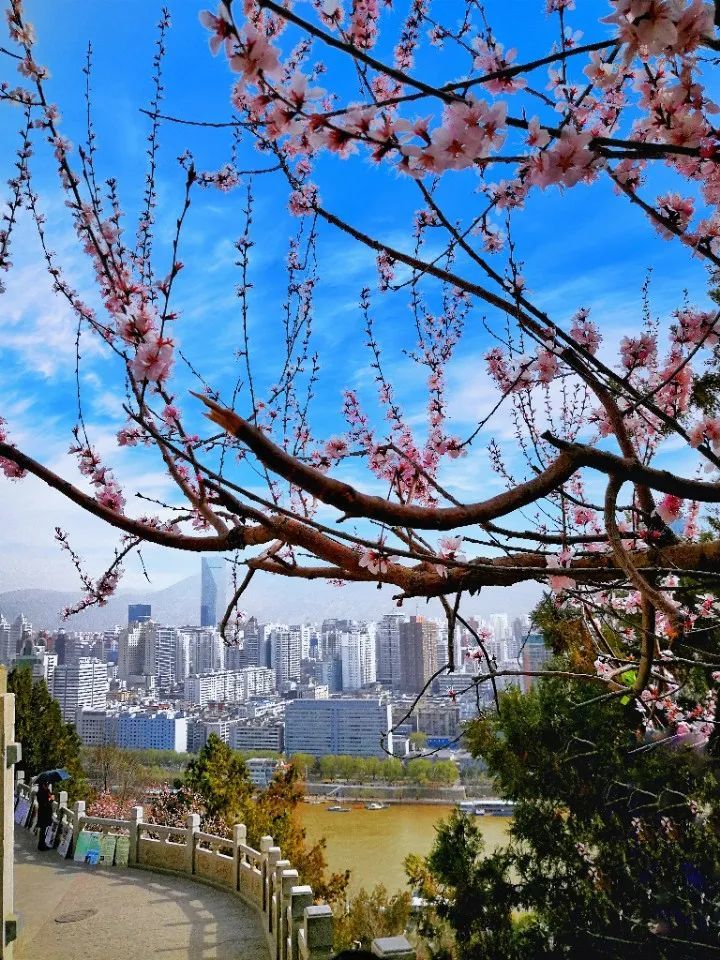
<point x="375" y="806"/>
<point x="338" y="809"/>
<point x="496" y="808"/>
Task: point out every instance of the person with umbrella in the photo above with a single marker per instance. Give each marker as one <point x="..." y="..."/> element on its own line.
<point x="45" y="801"/>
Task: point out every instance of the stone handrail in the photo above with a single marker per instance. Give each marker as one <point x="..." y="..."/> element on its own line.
<point x="295" y="926"/>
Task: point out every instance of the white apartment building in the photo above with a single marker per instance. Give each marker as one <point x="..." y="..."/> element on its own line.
<point x="357" y="657"/>
<point x="206" y="650"/>
<point x="229" y="686"/>
<point x="160" y="654"/>
<point x="285" y="652"/>
<point x="79" y="685"/>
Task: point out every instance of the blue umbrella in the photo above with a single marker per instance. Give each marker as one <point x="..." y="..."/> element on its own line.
<point x="53" y="776"/>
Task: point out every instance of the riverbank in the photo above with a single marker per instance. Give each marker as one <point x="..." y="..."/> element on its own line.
<point x="391" y="793"/>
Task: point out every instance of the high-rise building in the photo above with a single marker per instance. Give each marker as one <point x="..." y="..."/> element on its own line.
<point x="79" y="685"/>
<point x="357" y="655"/>
<point x="7" y="649"/>
<point x="139" y="613"/>
<point x="285" y="648"/>
<point x="387" y="646"/>
<point x="358" y="728"/>
<point x="161" y="654"/>
<point x="21" y="636"/>
<point x="212" y="591"/>
<point x="535" y="654"/>
<point x="418" y="654"/>
<point x="206" y="649"/>
<point x="131" y="650"/>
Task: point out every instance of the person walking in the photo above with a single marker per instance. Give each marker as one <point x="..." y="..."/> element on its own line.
<point x="45" y="811"/>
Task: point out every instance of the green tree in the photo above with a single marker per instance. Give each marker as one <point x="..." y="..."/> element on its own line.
<point x="113" y="770"/>
<point x="418" y="740"/>
<point x="217" y="787"/>
<point x="392" y="770"/>
<point x="615" y="849"/>
<point x="369" y="914"/>
<point x="419" y="770"/>
<point x="47" y="741"/>
<point x="304" y="763"/>
<point x="220" y="776"/>
<point x="444" y="772"/>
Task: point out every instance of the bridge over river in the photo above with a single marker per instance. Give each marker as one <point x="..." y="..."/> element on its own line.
<point x="74" y="911"/>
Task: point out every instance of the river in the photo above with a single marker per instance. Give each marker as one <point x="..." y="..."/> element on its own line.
<point x="374" y="843"/>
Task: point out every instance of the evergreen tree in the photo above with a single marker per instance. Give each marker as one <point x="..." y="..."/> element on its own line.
<point x="615" y="842"/>
<point x="47" y="741"/>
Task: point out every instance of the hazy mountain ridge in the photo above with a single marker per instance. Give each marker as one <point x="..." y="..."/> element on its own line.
<point x="269" y="599"/>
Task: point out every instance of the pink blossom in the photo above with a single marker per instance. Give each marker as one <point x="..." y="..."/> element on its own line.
<point x="375" y="561"/>
<point x="560" y="561"/>
<point x="336" y="448"/>
<point x="170" y="415"/>
<point x="566" y="163"/>
<point x="584" y="332"/>
<point x="669" y="508"/>
<point x="638" y="351"/>
<point x="546" y="366"/>
<point x="220" y="27"/>
<point x="599" y="72"/>
<point x="153" y="359"/>
<point x="255" y="57"/>
<point x="128" y="437"/>
<point x="537" y="136"/>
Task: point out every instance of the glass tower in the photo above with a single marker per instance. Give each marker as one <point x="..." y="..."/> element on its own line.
<point x="212" y="591"/>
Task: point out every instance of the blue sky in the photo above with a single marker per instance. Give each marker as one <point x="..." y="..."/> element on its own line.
<point x="584" y="248"/>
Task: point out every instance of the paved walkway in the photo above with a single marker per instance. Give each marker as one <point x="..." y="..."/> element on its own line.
<point x="70" y="911"/>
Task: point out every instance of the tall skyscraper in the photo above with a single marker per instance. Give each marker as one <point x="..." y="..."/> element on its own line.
<point x="139" y="612"/>
<point x="357" y="654"/>
<point x="285" y="646"/>
<point x="131" y="650"/>
<point x="206" y="649"/>
<point x="21" y="635"/>
<point x="212" y="591"/>
<point x="418" y="653"/>
<point x="387" y="645"/>
<point x="161" y="654"/>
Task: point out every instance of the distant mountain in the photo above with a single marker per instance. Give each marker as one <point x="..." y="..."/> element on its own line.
<point x="268" y="598"/>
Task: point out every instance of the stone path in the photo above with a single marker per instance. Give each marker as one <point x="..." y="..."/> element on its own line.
<point x="70" y="911"/>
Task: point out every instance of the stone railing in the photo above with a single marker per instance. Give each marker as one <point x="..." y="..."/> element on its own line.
<point x="295" y="926"/>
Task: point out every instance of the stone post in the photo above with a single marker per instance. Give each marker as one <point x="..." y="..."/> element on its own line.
<point x="300" y="897"/>
<point x="11" y="754"/>
<point x="275" y="904"/>
<point x="392" y="948"/>
<point x="78" y="817"/>
<point x="316" y="941"/>
<point x="136" y="818"/>
<point x="62" y="798"/>
<point x="239" y="837"/>
<point x="270" y="858"/>
<point x="266" y="844"/>
<point x="287" y="879"/>
<point x="193" y="828"/>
